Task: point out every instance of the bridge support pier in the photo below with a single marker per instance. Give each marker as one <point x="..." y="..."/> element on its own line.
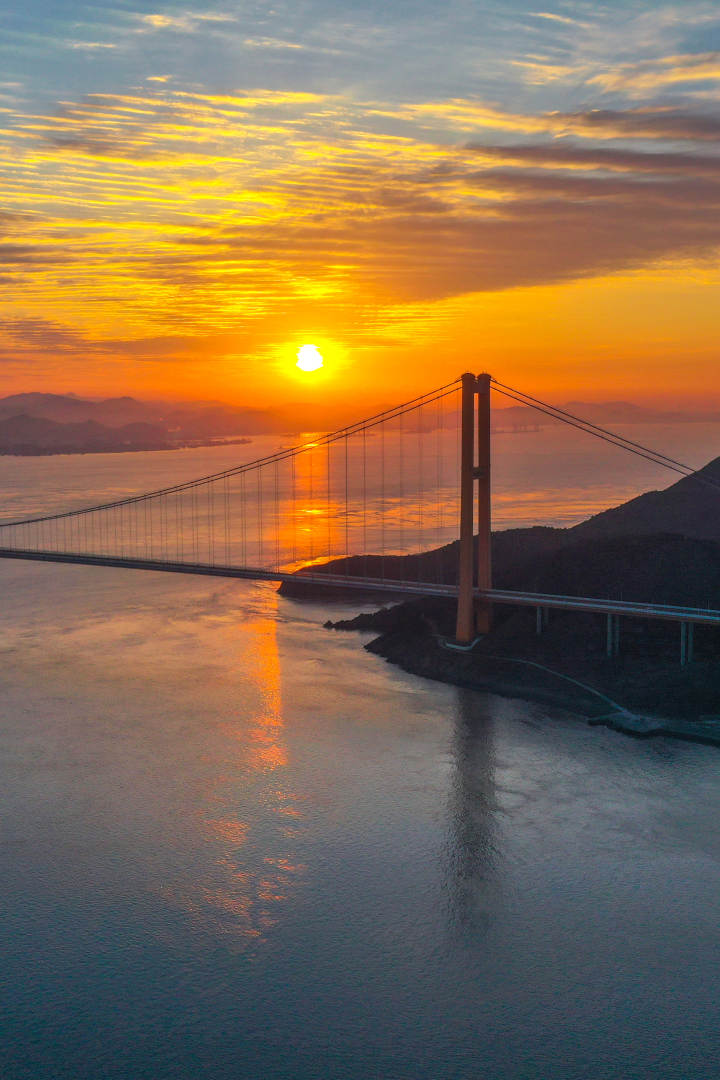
<point x="474" y="616"/>
<point x="542" y="619"/>
<point x="613" y="635"/>
<point x="687" y="643"/>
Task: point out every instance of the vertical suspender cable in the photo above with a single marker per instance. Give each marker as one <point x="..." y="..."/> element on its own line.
<point x="420" y="492"/>
<point x="382" y="500"/>
<point x="438" y="490"/>
<point x="226" y="493"/>
<point x="243" y="518"/>
<point x="347" y="522"/>
<point x="210" y="525"/>
<point x="364" y="500"/>
<point x="401" y="492"/>
<point x="260" y="517"/>
<point x="327" y="503"/>
<point x="277" y="521"/>
<point x="311" y="518"/>
<point x="294" y="511"/>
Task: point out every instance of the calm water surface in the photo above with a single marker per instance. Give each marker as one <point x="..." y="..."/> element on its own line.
<point x="236" y="845"/>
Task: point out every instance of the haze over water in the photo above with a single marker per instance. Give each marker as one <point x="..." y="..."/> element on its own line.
<point x="554" y="476"/>
<point x="235" y="844"/>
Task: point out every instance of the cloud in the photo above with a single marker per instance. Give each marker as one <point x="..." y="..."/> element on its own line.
<point x="554" y="17"/>
<point x="566" y="155"/>
<point x="187" y="215"/>
<point x="270" y="43"/>
<point x="539" y="73"/>
<point x="185" y="23"/>
<point x="44" y="333"/>
<point x="647" y="122"/>
<point x="658" y="73"/>
<point x="92" y="45"/>
<point x="30" y="257"/>
<point x="652" y="122"/>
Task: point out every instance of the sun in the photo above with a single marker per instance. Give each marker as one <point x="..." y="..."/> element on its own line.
<point x="309" y="358"/>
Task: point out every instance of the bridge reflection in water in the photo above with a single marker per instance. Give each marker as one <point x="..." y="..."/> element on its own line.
<point x="472" y="851"/>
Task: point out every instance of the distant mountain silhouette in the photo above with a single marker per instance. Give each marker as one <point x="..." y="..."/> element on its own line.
<point x="32" y="435"/>
<point x="175" y="424"/>
<point x="65" y="409"/>
<point x="59" y="423"/>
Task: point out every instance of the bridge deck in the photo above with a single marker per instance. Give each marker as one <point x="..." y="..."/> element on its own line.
<point x="668" y="612"/>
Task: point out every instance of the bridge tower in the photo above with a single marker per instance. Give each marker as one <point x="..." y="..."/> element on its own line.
<point x="474" y="616"/>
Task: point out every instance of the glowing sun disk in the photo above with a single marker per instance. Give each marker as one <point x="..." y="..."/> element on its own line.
<point x="309" y="358"/>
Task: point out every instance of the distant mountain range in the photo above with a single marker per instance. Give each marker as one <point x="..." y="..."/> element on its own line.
<point x="58" y="423"/>
<point x="33" y="435"/>
<point x="67" y="409"/>
<point x="36" y="423"/>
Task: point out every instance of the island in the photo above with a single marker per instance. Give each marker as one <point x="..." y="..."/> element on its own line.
<point x="661" y="547"/>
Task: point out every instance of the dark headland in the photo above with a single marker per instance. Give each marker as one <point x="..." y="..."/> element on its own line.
<point x="662" y="547"/>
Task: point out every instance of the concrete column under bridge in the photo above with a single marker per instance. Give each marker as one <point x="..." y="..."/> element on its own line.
<point x="474" y="617"/>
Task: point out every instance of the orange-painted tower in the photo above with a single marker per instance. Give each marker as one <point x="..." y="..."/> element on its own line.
<point x="474" y="616"/>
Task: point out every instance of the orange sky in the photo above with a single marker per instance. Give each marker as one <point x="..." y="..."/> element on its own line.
<point x="172" y="238"/>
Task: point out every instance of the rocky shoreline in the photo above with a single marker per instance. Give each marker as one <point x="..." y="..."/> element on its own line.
<point x="643" y="693"/>
<point x="662" y="547"/>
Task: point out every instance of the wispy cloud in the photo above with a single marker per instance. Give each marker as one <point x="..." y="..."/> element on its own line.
<point x="657" y="122"/>
<point x="215" y="210"/>
<point x="539" y="73"/>
<point x="271" y="43"/>
<point x="184" y="23"/>
<point x="664" y="71"/>
<point x="552" y="16"/>
<point x="92" y="45"/>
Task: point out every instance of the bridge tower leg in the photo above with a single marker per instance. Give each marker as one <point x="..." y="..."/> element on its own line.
<point x="613" y="635"/>
<point x="465" y="626"/>
<point x="474" y="617"/>
<point x="483" y="611"/>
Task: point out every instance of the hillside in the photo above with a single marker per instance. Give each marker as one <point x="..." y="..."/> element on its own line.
<point x="32" y="435"/>
<point x="65" y="409"/>
<point x="36" y="423"/>
<point x="32" y="424"/>
<point x="689" y="507"/>
<point x="627" y="553"/>
<point x="663" y="545"/>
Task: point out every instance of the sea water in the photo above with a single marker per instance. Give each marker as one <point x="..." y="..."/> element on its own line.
<point x="234" y="844"/>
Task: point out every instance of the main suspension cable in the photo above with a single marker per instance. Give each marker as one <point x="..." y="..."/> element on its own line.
<point x="611" y="437"/>
<point x="281" y="455"/>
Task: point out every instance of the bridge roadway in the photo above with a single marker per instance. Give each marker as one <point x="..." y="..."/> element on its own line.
<point x="540" y="601"/>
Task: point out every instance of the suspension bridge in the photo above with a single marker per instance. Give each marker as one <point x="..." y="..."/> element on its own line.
<point x="398" y="503"/>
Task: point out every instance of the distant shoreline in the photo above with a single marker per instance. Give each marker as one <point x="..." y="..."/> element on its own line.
<point x="61" y="452"/>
